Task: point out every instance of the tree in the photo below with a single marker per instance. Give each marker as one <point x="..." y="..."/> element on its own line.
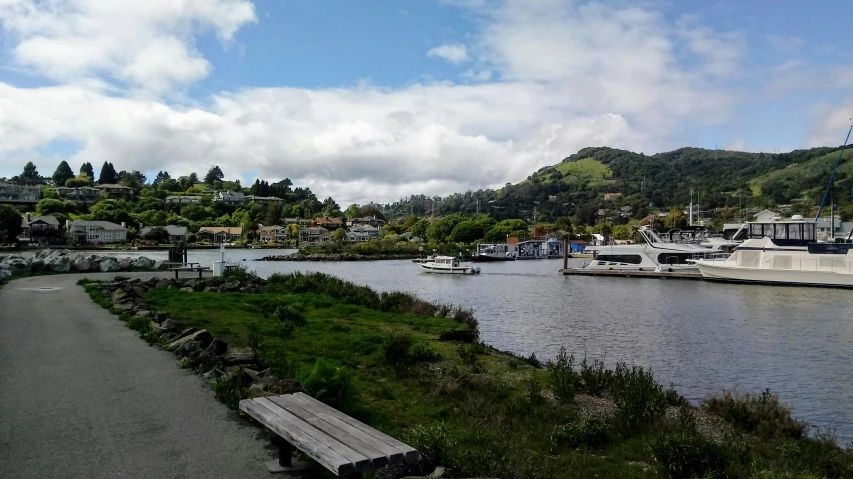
<point x="352" y="211"/>
<point x="158" y="234"/>
<point x="62" y="174"/>
<point x="213" y="175"/>
<point x="160" y="178"/>
<point x="108" y="174"/>
<point x="115" y="211"/>
<point x="339" y="235"/>
<point x="79" y="181"/>
<point x="438" y="231"/>
<point x="30" y="176"/>
<point x="272" y="215"/>
<point x="330" y="208"/>
<point x="10" y="223"/>
<point x="133" y="179"/>
<point x="467" y="232"/>
<point x="419" y="228"/>
<point x="51" y="207"/>
<point x="49" y="193"/>
<point x="675" y="219"/>
<point x="293" y="230"/>
<point x="193" y="178"/>
<point x="86" y="169"/>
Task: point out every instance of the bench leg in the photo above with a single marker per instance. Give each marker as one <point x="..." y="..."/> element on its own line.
<point x="176" y="275"/>
<point x="285" y="462"/>
<point x="285" y="453"/>
<point x="199" y="274"/>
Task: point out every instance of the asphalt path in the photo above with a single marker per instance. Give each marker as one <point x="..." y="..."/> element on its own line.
<point x="82" y="396"/>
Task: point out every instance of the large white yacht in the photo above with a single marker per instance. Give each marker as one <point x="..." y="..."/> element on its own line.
<point x="783" y="252"/>
<point x="670" y="251"/>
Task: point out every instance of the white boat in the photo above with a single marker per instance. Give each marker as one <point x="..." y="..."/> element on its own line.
<point x="783" y="252"/>
<point x="447" y="265"/>
<point x="670" y="251"/>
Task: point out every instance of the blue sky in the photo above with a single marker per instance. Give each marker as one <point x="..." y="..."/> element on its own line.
<point x="374" y="100"/>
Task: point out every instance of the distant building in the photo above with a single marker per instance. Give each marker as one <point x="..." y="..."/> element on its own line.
<point x="765" y="216"/>
<point x="273" y="233"/>
<point x="93" y="232"/>
<point x="84" y="195"/>
<point x="10" y="193"/>
<point x="368" y="220"/>
<point x="296" y="221"/>
<point x="183" y="199"/>
<point x="611" y="196"/>
<point x="176" y="233"/>
<point x="265" y="200"/>
<point x="626" y="211"/>
<point x="219" y="234"/>
<point x="329" y="222"/>
<point x="230" y="197"/>
<point x="39" y="227"/>
<point x="362" y="233"/>
<point x="116" y="191"/>
<point x="314" y="235"/>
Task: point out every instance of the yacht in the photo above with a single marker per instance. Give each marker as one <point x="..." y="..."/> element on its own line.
<point x="495" y="252"/>
<point x="447" y="265"/>
<point x="670" y="251"/>
<point x="783" y="252"/>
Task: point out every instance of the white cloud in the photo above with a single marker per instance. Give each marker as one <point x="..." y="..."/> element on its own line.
<point x="831" y="124"/>
<point x="547" y="79"/>
<point x="454" y="54"/>
<point x="787" y="45"/>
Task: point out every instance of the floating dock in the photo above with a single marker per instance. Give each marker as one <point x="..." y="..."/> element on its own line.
<point x="633" y="274"/>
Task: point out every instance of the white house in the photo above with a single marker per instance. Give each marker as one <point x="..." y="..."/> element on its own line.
<point x="230" y="197"/>
<point x="184" y="199"/>
<point x="105" y="232"/>
<point x="766" y="216"/>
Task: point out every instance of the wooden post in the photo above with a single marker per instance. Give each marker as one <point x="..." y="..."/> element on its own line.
<point x="285" y="453"/>
<point x="566" y="252"/>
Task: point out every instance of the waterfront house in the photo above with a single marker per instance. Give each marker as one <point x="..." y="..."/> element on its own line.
<point x="577" y="246"/>
<point x="10" y="193"/>
<point x="367" y="220"/>
<point x="265" y="200"/>
<point x="176" y="233"/>
<point x="273" y="233"/>
<point x="93" y="232"/>
<point x="296" y="221"/>
<point x="363" y="233"/>
<point x="314" y="235"/>
<point x="116" y="191"/>
<point x="219" y="234"/>
<point x="328" y="222"/>
<point x="183" y="199"/>
<point x="39" y="228"/>
<point x="233" y="198"/>
<point x="81" y="196"/>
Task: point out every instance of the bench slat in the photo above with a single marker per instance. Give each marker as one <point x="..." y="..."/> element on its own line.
<point x="379" y="453"/>
<point x="310" y="404"/>
<point x="323" y="448"/>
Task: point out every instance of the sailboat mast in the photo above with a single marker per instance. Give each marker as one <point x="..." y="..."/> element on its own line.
<point x="832" y="177"/>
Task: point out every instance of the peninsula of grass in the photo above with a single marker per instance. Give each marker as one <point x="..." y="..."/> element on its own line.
<point x="484" y="413"/>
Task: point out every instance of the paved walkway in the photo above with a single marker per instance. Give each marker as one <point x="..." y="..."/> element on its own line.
<point x="82" y="396"/>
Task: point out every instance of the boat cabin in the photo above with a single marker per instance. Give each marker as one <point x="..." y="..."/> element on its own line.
<point x="791" y="232"/>
<point x="446" y="261"/>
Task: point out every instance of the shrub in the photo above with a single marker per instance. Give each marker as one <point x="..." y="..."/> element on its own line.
<point x="287" y="313"/>
<point x="532" y="360"/>
<point x="330" y="384"/>
<point x="286" y="328"/>
<point x="673" y="398"/>
<point x="239" y="273"/>
<point x="687" y="454"/>
<point x="230" y="389"/>
<point x="466" y="317"/>
<point x="564" y="379"/>
<point x="591" y="431"/>
<point x="397" y="347"/>
<point x="639" y="399"/>
<point x="763" y="414"/>
<point x="467" y="354"/>
<point x="422" y="352"/>
<point x="436" y="446"/>
<point x="596" y="379"/>
<point x="533" y="389"/>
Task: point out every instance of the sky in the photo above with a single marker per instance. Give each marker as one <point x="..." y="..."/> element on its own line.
<point x="374" y="100"/>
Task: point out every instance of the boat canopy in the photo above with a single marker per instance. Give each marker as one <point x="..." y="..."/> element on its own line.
<point x="796" y="230"/>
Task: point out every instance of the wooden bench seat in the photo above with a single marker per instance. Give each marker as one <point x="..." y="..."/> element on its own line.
<point x="338" y="442"/>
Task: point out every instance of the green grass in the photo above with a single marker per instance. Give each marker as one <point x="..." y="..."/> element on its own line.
<point x="583" y="171"/>
<point x="479" y="411"/>
<point x="795" y="174"/>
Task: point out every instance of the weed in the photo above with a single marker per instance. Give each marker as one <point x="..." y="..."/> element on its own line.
<point x="436" y="446"/>
<point x="687" y="454"/>
<point x="673" y="398"/>
<point x="422" y="352"/>
<point x="639" y="399"/>
<point x="287" y="313"/>
<point x="761" y="414"/>
<point x="286" y="328"/>
<point x="331" y="384"/>
<point x="467" y="354"/>
<point x="532" y="360"/>
<point x="596" y="379"/>
<point x="230" y="389"/>
<point x="240" y="273"/>
<point x="396" y="347"/>
<point x="533" y="389"/>
<point x="590" y="431"/>
<point x="564" y="379"/>
<point x="466" y="317"/>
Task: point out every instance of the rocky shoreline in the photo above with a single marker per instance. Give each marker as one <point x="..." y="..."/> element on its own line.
<point x="63" y="261"/>
<point x="337" y="257"/>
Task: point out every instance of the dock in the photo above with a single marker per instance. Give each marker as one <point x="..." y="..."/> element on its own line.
<point x="633" y="274"/>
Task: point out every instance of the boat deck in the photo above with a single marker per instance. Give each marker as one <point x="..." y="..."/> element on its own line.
<point x="633" y="274"/>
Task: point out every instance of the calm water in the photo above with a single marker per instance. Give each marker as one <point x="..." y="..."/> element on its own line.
<point x="703" y="337"/>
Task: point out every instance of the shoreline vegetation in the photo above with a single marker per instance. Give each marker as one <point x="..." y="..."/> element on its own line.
<point x="417" y="371"/>
<point x="370" y="252"/>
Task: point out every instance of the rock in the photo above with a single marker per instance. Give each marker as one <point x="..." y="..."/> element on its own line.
<point x="139" y="291"/>
<point x="438" y="472"/>
<point x="217" y="347"/>
<point x="5" y="274"/>
<point x="202" y="337"/>
<point x="187" y="290"/>
<point x="229" y="287"/>
<point x="213" y="374"/>
<point x="110" y="265"/>
<point x="58" y="264"/>
<point x="125" y="263"/>
<point x="152" y="282"/>
<point x="160" y="265"/>
<point x="210" y="289"/>
<point x="238" y="356"/>
<point x="144" y="264"/>
<point x="37" y="265"/>
<point x="163" y="284"/>
<point x="161" y="316"/>
<point x="82" y="263"/>
<point x="144" y="313"/>
<point x="186" y="332"/>
<point x="191" y="283"/>
<point x="119" y="296"/>
<point x="172" y="325"/>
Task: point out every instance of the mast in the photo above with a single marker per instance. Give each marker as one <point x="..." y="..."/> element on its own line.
<point x="832" y="177"/>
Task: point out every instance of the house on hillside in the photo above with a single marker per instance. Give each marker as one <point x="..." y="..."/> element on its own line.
<point x="314" y="235"/>
<point x="765" y="216"/>
<point x="219" y="234"/>
<point x="361" y="233"/>
<point x="116" y="191"/>
<point x="265" y="200"/>
<point x="82" y="196"/>
<point x="176" y="233"/>
<point x="233" y="198"/>
<point x="183" y="199"/>
<point x="273" y="233"/>
<point x="368" y="220"/>
<point x="10" y="193"/>
<point x="39" y="228"/>
<point x="611" y="196"/>
<point x="301" y="222"/>
<point x="93" y="232"/>
<point x="329" y="223"/>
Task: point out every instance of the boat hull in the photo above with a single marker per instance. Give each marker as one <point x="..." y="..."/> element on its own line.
<point x="456" y="270"/>
<point x="736" y="274"/>
<point x="482" y="258"/>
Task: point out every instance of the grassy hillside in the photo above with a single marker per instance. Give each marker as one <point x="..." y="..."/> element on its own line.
<point x="807" y="179"/>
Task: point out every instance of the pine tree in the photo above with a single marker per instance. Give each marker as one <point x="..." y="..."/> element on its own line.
<point x="62" y="174"/>
<point x="215" y="174"/>
<point x="86" y="169"/>
<point x="108" y="174"/>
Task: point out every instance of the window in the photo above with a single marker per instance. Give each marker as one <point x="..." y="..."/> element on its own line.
<point x="620" y="258"/>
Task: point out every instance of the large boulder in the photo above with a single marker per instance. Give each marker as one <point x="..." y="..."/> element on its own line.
<point x="36" y="265"/>
<point x="203" y="337"/>
<point x="15" y="265"/>
<point x="143" y="264"/>
<point x="5" y="274"/>
<point x="238" y="356"/>
<point x="58" y="263"/>
<point x="125" y="263"/>
<point x="110" y="265"/>
<point x="82" y="263"/>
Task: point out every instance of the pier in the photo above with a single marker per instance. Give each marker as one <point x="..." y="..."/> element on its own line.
<point x="633" y="274"/>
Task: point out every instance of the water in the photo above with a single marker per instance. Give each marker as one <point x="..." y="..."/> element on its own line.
<point x="702" y="337"/>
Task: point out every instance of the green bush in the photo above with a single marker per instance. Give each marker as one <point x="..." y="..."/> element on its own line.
<point x="230" y="389"/>
<point x="763" y="414"/>
<point x="467" y="353"/>
<point x="396" y="347"/>
<point x="331" y="384"/>
<point x="564" y="379"/>
<point x="436" y="446"/>
<point x="673" y="398"/>
<point x="287" y="313"/>
<point x="639" y="399"/>
<point x="590" y="431"/>
<point x="686" y="453"/>
<point x="421" y="352"/>
<point x="533" y="389"/>
<point x="596" y="379"/>
<point x="286" y="328"/>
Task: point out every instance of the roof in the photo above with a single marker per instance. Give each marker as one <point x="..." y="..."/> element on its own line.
<point x="314" y="229"/>
<point x="234" y="194"/>
<point x="271" y="228"/>
<point x="183" y="196"/>
<point x="51" y="220"/>
<point x="329" y="219"/>
<point x="171" y="229"/>
<point x="234" y="230"/>
<point x="253" y="197"/>
<point x="113" y="186"/>
<point x="107" y="225"/>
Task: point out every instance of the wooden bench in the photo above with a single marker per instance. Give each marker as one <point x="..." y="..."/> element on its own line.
<point x="200" y="269"/>
<point x="338" y="442"/>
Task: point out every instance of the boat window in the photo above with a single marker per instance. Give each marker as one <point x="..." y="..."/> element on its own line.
<point x="780" y="232"/>
<point x="795" y="231"/>
<point x="674" y="258"/>
<point x="620" y="258"/>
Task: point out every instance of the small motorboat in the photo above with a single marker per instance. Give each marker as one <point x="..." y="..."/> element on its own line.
<point x="447" y="265"/>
